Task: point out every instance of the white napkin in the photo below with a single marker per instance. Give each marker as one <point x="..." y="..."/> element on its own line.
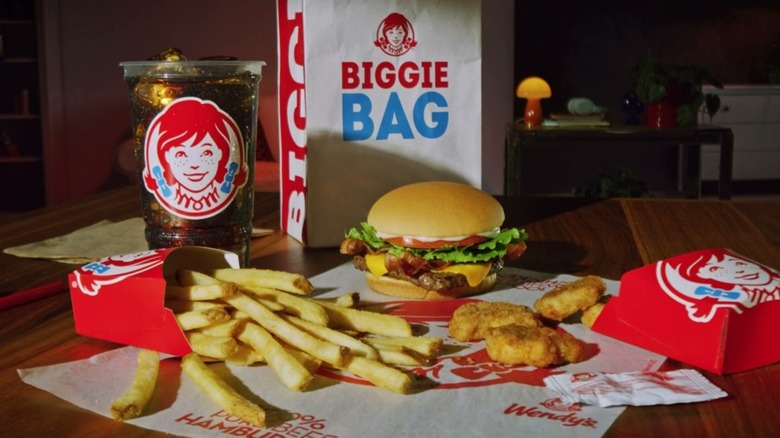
<point x="634" y="388"/>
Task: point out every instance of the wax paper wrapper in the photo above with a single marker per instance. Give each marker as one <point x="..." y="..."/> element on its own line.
<point x="463" y="390"/>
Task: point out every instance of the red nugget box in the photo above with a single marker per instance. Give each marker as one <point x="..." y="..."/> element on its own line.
<point x="122" y="298"/>
<point x="713" y="309"/>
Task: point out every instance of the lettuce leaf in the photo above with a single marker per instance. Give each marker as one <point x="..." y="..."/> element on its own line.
<point x="476" y="253"/>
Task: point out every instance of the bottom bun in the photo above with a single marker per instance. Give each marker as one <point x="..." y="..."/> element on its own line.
<point x="404" y="289"/>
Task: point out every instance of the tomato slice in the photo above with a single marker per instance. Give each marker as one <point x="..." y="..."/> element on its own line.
<point x="514" y="251"/>
<point x="424" y="244"/>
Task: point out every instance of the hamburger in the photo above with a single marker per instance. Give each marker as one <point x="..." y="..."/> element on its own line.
<point x="433" y="240"/>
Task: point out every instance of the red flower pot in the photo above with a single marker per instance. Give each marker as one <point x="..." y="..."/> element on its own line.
<point x="661" y="114"/>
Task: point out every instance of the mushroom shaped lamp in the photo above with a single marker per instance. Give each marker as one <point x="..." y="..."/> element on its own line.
<point x="533" y="90"/>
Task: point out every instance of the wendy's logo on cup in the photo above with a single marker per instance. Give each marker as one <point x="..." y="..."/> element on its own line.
<point x="194" y="158"/>
<point x="395" y="35"/>
<point x="705" y="281"/>
<point x="90" y="278"/>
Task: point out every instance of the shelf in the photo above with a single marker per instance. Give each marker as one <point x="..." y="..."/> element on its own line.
<point x="22" y="161"/>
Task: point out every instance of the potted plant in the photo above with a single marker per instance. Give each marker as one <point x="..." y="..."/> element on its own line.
<point x="622" y="184"/>
<point x="672" y="93"/>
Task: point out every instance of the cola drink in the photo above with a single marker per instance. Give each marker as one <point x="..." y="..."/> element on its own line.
<point x="194" y="125"/>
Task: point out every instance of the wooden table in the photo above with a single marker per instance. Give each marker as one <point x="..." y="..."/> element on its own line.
<point x="568" y="235"/>
<point x="520" y="140"/>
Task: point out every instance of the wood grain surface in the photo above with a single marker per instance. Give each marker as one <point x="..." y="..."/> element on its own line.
<point x="573" y="236"/>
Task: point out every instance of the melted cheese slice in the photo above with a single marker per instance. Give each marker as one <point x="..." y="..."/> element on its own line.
<point x="376" y="264"/>
<point x="474" y="272"/>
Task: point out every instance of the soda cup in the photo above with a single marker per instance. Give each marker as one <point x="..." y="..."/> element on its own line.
<point x="194" y="124"/>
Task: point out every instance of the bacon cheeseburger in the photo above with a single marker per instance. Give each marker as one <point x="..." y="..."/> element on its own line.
<point x="433" y="240"/>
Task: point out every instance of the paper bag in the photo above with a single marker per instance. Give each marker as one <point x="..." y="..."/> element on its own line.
<point x="713" y="309"/>
<point x="372" y="96"/>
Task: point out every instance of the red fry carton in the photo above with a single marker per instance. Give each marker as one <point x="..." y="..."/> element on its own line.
<point x="712" y="308"/>
<point x="122" y="298"/>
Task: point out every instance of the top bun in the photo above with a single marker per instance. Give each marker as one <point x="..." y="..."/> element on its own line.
<point x="436" y="209"/>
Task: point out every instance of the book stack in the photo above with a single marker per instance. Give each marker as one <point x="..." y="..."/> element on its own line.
<point x="563" y="120"/>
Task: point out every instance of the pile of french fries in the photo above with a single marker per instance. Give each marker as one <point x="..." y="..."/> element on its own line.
<point x="255" y="316"/>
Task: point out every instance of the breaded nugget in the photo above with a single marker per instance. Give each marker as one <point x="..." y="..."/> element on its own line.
<point x="536" y="346"/>
<point x="570" y="349"/>
<point x="471" y="321"/>
<point x="590" y="314"/>
<point x="517" y="345"/>
<point x="564" y="301"/>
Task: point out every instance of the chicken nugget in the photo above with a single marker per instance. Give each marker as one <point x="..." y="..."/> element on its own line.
<point x="590" y="314"/>
<point x="570" y="349"/>
<point x="471" y="321"/>
<point x="517" y="345"/>
<point x="566" y="300"/>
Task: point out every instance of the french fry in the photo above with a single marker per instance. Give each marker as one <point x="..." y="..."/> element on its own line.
<point x="200" y="292"/>
<point x="310" y="362"/>
<point x="228" y="328"/>
<point x="284" y="281"/>
<point x="220" y="392"/>
<point x="245" y="355"/>
<point x="399" y="355"/>
<point x="326" y="351"/>
<point x="248" y="316"/>
<point x="180" y="306"/>
<point x="304" y="308"/>
<point x="427" y="346"/>
<point x="351" y="299"/>
<point x="327" y="334"/>
<point x="381" y="375"/>
<point x="241" y="315"/>
<point x="133" y="401"/>
<point x="366" y="322"/>
<point x="218" y="347"/>
<point x="195" y="319"/>
<point x="273" y="306"/>
<point x="188" y="277"/>
<point x="290" y="371"/>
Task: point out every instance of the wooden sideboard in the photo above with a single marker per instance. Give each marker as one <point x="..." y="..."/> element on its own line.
<point x="583" y="146"/>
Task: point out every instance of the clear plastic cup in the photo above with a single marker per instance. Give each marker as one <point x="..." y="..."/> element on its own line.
<point x="194" y="125"/>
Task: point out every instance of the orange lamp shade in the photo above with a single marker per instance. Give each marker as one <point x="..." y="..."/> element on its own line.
<point x="533" y="89"/>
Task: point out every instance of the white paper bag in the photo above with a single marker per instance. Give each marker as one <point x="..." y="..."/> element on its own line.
<point x="372" y="96"/>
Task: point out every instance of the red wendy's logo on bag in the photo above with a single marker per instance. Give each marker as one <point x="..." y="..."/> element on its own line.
<point x="194" y="157"/>
<point x="395" y="35"/>
<point x="706" y="281"/>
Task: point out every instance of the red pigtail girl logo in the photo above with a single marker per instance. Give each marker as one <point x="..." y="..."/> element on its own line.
<point x="194" y="158"/>
<point x="395" y="35"/>
<point x="717" y="279"/>
<point x="90" y="278"/>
